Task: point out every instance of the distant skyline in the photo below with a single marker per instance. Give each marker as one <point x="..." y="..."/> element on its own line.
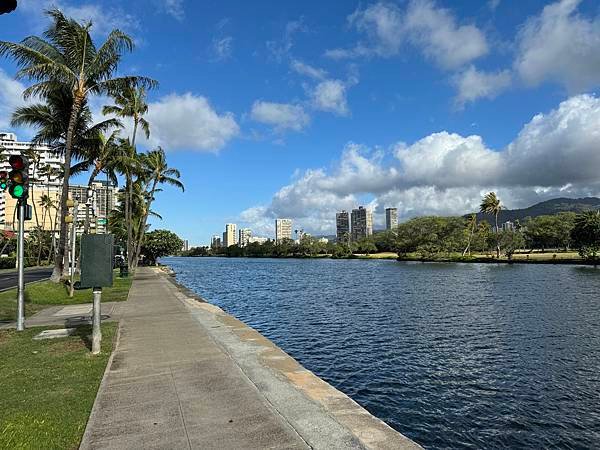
<point x="302" y="109"/>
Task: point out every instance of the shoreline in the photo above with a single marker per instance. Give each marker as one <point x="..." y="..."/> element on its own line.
<point x="462" y="260"/>
<point x="294" y="389"/>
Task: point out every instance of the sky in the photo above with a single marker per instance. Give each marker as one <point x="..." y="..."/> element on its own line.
<point x="300" y="109"/>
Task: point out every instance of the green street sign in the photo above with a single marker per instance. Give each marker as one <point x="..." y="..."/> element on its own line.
<point x="101" y="221"/>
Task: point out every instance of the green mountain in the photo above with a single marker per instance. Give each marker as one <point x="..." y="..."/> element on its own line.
<point x="549" y="207"/>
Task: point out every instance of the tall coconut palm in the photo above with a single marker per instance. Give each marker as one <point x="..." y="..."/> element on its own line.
<point x="156" y="172"/>
<point x="131" y="103"/>
<point x="490" y="204"/>
<point x="471" y="225"/>
<point x="66" y="57"/>
<point x="100" y="157"/>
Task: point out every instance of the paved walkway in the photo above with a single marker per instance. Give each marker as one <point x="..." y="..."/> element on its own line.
<point x="70" y="315"/>
<point x="181" y="378"/>
<point x="170" y="386"/>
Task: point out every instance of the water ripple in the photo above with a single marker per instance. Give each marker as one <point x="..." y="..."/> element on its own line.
<point x="452" y="355"/>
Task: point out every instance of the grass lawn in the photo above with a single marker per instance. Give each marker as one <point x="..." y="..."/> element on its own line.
<point x="46" y="293"/>
<point x="48" y="387"/>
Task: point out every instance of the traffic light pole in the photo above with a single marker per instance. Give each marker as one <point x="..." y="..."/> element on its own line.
<point x="21" y="268"/>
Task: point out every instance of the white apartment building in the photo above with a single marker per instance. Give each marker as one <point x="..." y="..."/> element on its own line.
<point x="40" y="183"/>
<point x="230" y="235"/>
<point x="391" y="218"/>
<point x="97" y="209"/>
<point x="257" y="240"/>
<point x="245" y="235"/>
<point x="283" y="229"/>
<point x="362" y="223"/>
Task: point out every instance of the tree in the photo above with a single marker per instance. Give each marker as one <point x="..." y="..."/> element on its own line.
<point x="68" y="59"/>
<point x="103" y="156"/>
<point x="511" y="241"/>
<point x="471" y="226"/>
<point x="159" y="243"/>
<point x="131" y="103"/>
<point x="491" y="205"/>
<point x="586" y="234"/>
<point x="154" y="172"/>
<point x="550" y="231"/>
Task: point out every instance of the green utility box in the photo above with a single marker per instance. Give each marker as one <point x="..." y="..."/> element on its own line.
<point x="97" y="260"/>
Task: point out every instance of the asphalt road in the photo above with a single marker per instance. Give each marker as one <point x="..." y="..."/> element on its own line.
<point x="9" y="279"/>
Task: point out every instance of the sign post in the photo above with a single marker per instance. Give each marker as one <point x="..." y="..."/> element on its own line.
<point x="96" y="331"/>
<point x="21" y="268"/>
<point x="96" y="272"/>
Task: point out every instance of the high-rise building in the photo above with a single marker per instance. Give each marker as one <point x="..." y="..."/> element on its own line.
<point x="245" y="235"/>
<point x="391" y="218"/>
<point x="342" y="226"/>
<point x="44" y="180"/>
<point x="215" y="241"/>
<point x="186" y="245"/>
<point x="230" y="235"/>
<point x="362" y="223"/>
<point x="283" y="230"/>
<point x="97" y="211"/>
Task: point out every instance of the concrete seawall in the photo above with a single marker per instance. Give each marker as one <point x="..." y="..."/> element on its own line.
<point x="321" y="415"/>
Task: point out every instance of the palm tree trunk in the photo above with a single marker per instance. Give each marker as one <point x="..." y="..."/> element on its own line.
<point x="129" y="206"/>
<point x="39" y="256"/>
<point x="62" y="240"/>
<point x="497" y="238"/>
<point x="143" y="223"/>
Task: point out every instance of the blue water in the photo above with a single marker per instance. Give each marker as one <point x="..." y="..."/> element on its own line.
<point x="451" y="355"/>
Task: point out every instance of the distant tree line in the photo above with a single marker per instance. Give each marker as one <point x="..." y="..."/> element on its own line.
<point x="434" y="237"/>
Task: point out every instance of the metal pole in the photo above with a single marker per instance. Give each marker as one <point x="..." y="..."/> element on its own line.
<point x="96" y="331"/>
<point x="107" y="207"/>
<point x="73" y="240"/>
<point x="21" y="264"/>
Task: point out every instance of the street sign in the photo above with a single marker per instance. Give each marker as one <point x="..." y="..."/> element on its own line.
<point x="101" y="221"/>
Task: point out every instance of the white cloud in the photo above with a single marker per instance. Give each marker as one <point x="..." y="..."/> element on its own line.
<point x="560" y="45"/>
<point x="330" y="96"/>
<point x="280" y="48"/>
<point x="308" y="70"/>
<point x="11" y="97"/>
<point x="433" y="30"/>
<point x="104" y="19"/>
<point x="222" y="48"/>
<point x="555" y="154"/>
<point x="473" y="84"/>
<point x="174" y="8"/>
<point x="189" y="122"/>
<point x="282" y="116"/>
<point x="383" y="24"/>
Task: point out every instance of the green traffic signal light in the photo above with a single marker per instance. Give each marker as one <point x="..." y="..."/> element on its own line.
<point x="3" y="186"/>
<point x="17" y="191"/>
<point x="18" y="179"/>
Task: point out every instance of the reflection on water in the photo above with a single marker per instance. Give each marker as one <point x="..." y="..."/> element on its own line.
<point x="451" y="355"/>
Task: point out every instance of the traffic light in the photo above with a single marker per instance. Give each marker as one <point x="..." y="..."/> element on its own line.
<point x="3" y="180"/>
<point x="18" y="177"/>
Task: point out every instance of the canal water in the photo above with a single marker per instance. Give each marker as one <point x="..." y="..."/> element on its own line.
<point x="451" y="355"/>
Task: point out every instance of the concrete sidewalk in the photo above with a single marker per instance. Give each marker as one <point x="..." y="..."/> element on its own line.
<point x="186" y="375"/>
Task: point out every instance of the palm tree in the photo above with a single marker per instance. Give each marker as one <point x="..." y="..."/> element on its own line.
<point x="99" y="157"/>
<point x="128" y="163"/>
<point x="68" y="59"/>
<point x="156" y="172"/>
<point x="131" y="102"/>
<point x="490" y="204"/>
<point x="471" y="225"/>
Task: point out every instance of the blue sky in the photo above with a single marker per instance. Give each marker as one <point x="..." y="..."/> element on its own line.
<point x="298" y="109"/>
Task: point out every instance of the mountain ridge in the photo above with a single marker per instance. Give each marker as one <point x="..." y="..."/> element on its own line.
<point x="547" y="207"/>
